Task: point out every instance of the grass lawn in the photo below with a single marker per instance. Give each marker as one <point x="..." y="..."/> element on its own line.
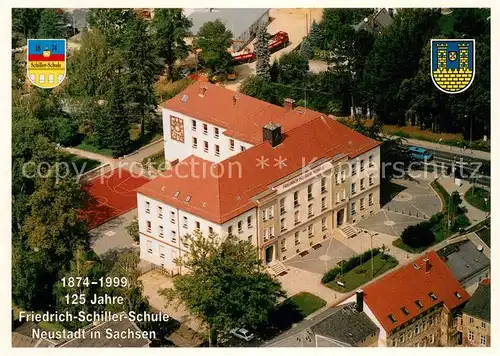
<point x="400" y="244"/>
<point x="363" y="273"/>
<point x="80" y="164"/>
<point x="157" y="160"/>
<point x="50" y="326"/>
<point x="442" y="193"/>
<point x="476" y="199"/>
<point x="307" y="303"/>
<point x="90" y="148"/>
<point x="485" y="235"/>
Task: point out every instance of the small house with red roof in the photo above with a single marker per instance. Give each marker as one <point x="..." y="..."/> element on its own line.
<point x="416" y="305"/>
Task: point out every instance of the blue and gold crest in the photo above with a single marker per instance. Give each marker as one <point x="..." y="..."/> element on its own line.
<point x="452" y="64"/>
<point x="46" y="62"/>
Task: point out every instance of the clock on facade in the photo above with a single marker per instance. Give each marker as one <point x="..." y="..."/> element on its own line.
<point x="176" y="129"/>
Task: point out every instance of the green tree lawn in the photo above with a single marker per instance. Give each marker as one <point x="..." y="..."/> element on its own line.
<point x="306" y="302"/>
<point x="363" y="273"/>
<point x="476" y="196"/>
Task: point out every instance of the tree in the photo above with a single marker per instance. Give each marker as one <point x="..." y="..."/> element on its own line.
<point x="110" y="23"/>
<point x="315" y="37"/>
<point x="293" y="68"/>
<point x="26" y="21"/>
<point x="51" y="24"/>
<point x="306" y="49"/>
<point x="260" y="88"/>
<point x="454" y="204"/>
<point x="66" y="130"/>
<point x="262" y="53"/>
<point x="133" y="229"/>
<point x="170" y="28"/>
<point x="336" y="19"/>
<point x="227" y="285"/>
<point x="94" y="67"/>
<point x="419" y="235"/>
<point x="214" y="40"/>
<point x="112" y="126"/>
<point x="141" y="65"/>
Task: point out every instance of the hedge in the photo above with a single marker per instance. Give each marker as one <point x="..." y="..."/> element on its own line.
<point x="350" y="264"/>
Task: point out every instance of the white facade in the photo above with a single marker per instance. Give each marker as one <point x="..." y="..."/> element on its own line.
<point x="201" y="139"/>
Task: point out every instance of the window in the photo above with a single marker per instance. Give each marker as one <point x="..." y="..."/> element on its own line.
<point x="431" y="341"/>
<point x="323" y="223"/>
<point x="471" y="335"/>
<point x="323" y="203"/>
<point x="271" y="231"/>
<point x="264" y="214"/>
<point x="483" y="325"/>
<point x="353" y="188"/>
<point x="370" y="179"/>
<point x="353" y="208"/>
<point x="433" y="296"/>
<point x="210" y="230"/>
<point x="471" y="320"/>
<point x="216" y="132"/>
<point x="205" y="129"/>
<point x="173" y="236"/>
<point x="362" y="204"/>
<point x="337" y="180"/>
<point x="197" y="224"/>
<point x="310" y="230"/>
<point x="323" y="185"/>
<point x="217" y="152"/>
<point x="147" y="207"/>
<point x="283" y="245"/>
<point x="309" y="192"/>
<point x="249" y="239"/>
<point x="362" y="183"/>
<point x="353" y="169"/>
<point x="337" y="197"/>
<point x="457" y="295"/>
<point x="205" y="148"/>
<point x="297" y="237"/>
<point x="148" y="226"/>
<point x="195" y="142"/>
<point x="282" y="206"/>
<point x="419" y="304"/>
<point x="417" y="329"/>
<point x="296" y="199"/>
<point x="240" y="227"/>
<point x="242" y="148"/>
<point x="271" y="212"/>
<point x="402" y="338"/>
<point x="343" y="177"/>
<point x="160" y="229"/>
<point x="265" y="235"/>
<point x="230" y="230"/>
<point x="483" y="340"/>
<point x="231" y="144"/>
<point x="162" y="251"/>
<point x="193" y="125"/>
<point x="249" y="222"/>
<point x="283" y="224"/>
<point x="310" y="211"/>
<point x="160" y="212"/>
<point x="370" y="161"/>
<point x="362" y="165"/>
<point x="370" y="199"/>
<point x="185" y="222"/>
<point x="172" y="217"/>
<point x="405" y="311"/>
<point x="296" y="217"/>
<point x="409" y="335"/>
<point x="150" y="246"/>
<point x="391" y="318"/>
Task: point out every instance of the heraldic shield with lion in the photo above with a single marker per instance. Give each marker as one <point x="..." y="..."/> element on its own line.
<point x="452" y="64"/>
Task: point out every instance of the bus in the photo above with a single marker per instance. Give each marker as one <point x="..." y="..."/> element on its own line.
<point x="419" y="153"/>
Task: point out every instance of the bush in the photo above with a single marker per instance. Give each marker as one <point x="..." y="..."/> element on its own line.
<point x="350" y="264"/>
<point x="419" y="235"/>
<point x="133" y="229"/>
<point x="65" y="131"/>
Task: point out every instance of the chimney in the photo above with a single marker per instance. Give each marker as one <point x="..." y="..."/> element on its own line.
<point x="271" y="132"/>
<point x="235" y="99"/>
<point x="359" y="300"/>
<point x="202" y="90"/>
<point x="427" y="265"/>
<point x="289" y="104"/>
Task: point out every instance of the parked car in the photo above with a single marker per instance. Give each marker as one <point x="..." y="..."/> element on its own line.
<point x="242" y="333"/>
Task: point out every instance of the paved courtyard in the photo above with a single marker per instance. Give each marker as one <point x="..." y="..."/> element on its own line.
<point x="322" y="259"/>
<point x="404" y="203"/>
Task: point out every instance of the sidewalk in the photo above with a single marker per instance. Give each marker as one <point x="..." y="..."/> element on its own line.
<point x="445" y="148"/>
<point x="90" y="155"/>
<point x="475" y="215"/>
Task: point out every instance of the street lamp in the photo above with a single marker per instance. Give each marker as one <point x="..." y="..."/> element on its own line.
<point x="371" y="245"/>
<point x="486" y="207"/>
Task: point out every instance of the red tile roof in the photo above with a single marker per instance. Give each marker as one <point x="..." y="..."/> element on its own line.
<point x="407" y="284"/>
<point x="227" y="193"/>
<point x="242" y="117"/>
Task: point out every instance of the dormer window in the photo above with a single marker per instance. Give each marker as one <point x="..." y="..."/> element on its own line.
<point x="391" y="318"/>
<point x="433" y="296"/>
<point x="419" y="304"/>
<point x="458" y="295"/>
<point x="405" y="311"/>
